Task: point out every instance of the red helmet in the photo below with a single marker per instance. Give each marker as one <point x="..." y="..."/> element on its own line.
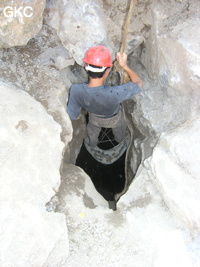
<point x="98" y="56"/>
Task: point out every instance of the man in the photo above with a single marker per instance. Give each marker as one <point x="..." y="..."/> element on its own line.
<point x="102" y="102"/>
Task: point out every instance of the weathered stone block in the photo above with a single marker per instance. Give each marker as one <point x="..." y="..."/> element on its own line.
<point x="79" y="25"/>
<point x="20" y="20"/>
<point x="175" y="166"/>
<point x="30" y="159"/>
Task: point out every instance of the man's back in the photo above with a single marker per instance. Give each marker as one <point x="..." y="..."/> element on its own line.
<point x="101" y="100"/>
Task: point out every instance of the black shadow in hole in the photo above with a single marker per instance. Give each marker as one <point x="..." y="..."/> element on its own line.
<point x="107" y="179"/>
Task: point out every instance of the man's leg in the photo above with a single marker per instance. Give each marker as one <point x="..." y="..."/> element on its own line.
<point x="93" y="133"/>
<point x="119" y="131"/>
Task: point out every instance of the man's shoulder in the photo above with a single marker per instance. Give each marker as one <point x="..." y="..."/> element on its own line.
<point x="78" y="85"/>
<point x="130" y="85"/>
<point x="124" y="85"/>
<point x="76" y="88"/>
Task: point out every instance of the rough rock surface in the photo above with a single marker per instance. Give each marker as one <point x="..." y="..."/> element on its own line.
<point x="141" y="231"/>
<point x="170" y="56"/>
<point x="153" y="226"/>
<point x="165" y="241"/>
<point x="82" y="24"/>
<point x="29" y="177"/>
<point x="79" y="26"/>
<point x="175" y="168"/>
<point x="35" y="68"/>
<point x="17" y="26"/>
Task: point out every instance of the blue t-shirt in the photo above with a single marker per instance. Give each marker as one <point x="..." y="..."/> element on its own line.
<point x="101" y="100"/>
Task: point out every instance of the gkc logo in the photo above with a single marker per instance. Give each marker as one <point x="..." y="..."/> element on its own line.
<point x="13" y="12"/>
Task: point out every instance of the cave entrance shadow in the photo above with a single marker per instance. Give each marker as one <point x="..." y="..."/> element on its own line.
<point x="107" y="179"/>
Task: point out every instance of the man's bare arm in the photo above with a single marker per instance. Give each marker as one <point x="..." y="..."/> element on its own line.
<point x="122" y="60"/>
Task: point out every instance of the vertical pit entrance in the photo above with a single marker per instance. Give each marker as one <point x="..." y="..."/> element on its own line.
<point x="110" y="180"/>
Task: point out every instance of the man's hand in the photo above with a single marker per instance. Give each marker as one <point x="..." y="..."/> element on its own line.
<point x="122" y="60"/>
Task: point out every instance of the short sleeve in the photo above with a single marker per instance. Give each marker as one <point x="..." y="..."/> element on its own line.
<point x="127" y="91"/>
<point x="73" y="107"/>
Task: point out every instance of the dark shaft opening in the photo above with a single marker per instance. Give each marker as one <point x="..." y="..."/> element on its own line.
<point x="107" y="179"/>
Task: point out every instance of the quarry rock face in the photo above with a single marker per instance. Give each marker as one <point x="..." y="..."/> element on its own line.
<point x="20" y="21"/>
<point x="29" y="176"/>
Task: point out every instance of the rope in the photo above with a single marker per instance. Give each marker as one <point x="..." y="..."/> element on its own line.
<point x="123" y="75"/>
<point x="106" y="134"/>
<point x="126" y="25"/>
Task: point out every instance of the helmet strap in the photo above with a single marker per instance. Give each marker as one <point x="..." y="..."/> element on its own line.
<point x="90" y="68"/>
